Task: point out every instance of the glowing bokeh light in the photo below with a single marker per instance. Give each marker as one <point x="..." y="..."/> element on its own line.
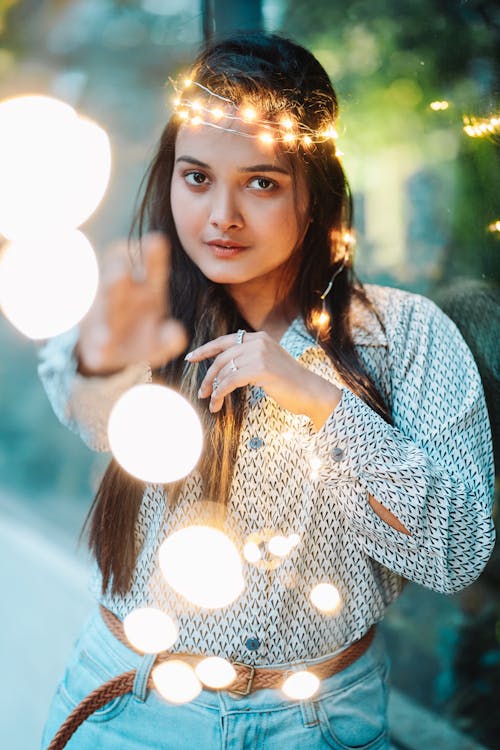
<point x="266" y="138"/>
<point x="439" y="106"/>
<point x="248" y="114"/>
<point x="315" y="462"/>
<point x="55" y="166"/>
<point x="203" y="565"/>
<point x="326" y="598"/>
<point x="279" y="545"/>
<point x="301" y="685"/>
<point x="215" y="672"/>
<point x="176" y="681"/>
<point x="251" y="552"/>
<point x="150" y="630"/>
<point x="48" y="285"/>
<point x="266" y="548"/>
<point x="155" y="434"/>
<point x="481" y="127"/>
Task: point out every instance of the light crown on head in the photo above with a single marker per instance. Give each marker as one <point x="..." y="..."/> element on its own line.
<point x="212" y="109"/>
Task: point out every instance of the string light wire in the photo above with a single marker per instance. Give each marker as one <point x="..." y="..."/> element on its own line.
<point x="286" y="130"/>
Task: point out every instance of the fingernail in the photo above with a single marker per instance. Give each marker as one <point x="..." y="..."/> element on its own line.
<point x="189" y="356"/>
<point x="199" y="393"/>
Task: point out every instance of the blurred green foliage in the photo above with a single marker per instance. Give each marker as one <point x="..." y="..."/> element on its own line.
<point x="388" y="61"/>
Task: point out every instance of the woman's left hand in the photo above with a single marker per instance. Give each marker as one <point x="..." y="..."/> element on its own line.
<point x="260" y="360"/>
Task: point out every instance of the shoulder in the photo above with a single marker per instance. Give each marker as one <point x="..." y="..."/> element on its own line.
<point x="402" y="312"/>
<point x="390" y="300"/>
<point x="409" y="321"/>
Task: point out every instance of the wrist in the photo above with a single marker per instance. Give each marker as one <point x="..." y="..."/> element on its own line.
<point x="92" y="369"/>
<point x="323" y="398"/>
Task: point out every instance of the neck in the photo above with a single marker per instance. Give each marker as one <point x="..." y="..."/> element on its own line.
<point x="264" y="312"/>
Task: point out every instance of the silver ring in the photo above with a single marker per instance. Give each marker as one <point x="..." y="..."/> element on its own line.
<point x="215" y="385"/>
<point x="239" y="335"/>
<point x="233" y="366"/>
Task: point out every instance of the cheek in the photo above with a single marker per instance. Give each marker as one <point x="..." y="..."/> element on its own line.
<point x="182" y="210"/>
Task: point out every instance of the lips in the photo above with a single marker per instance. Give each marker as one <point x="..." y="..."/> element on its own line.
<point x="226" y="248"/>
<point x="226" y="243"/>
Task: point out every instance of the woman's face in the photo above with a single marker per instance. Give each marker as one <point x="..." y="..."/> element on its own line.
<point x="237" y="208"/>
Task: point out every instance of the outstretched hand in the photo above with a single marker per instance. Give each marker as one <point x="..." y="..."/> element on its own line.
<point x="129" y="321"/>
<point x="260" y="360"/>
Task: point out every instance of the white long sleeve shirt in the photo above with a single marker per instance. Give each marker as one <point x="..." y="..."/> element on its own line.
<point x="433" y="470"/>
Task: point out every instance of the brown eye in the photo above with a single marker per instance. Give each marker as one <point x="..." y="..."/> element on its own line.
<point x="195" y="178"/>
<point x="263" y="183"/>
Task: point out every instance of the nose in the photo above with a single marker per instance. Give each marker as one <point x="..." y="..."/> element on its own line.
<point x="225" y="213"/>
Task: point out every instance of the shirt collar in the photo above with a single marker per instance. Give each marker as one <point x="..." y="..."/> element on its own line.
<point x="366" y="331"/>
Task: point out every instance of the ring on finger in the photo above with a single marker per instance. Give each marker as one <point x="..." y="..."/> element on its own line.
<point x="215" y="385"/>
<point x="239" y="335"/>
<point x="233" y="366"/>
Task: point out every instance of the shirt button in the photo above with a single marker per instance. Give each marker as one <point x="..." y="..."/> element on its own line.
<point x="337" y="454"/>
<point x="255" y="443"/>
<point x="252" y="643"/>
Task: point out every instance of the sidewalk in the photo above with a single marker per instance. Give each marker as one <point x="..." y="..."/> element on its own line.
<point x="45" y="601"/>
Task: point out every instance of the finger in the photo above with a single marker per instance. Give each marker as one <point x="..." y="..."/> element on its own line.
<point x="214" y="347"/>
<point x="115" y="263"/>
<point x="228" y="381"/>
<point x="155" y="255"/>
<point x="172" y="341"/>
<point x="216" y="370"/>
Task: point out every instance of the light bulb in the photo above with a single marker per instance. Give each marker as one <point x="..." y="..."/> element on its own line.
<point x="326" y="598"/>
<point x="155" y="434"/>
<point x="248" y="114"/>
<point x="279" y="545"/>
<point x="266" y="138"/>
<point x="150" y="630"/>
<point x="251" y="552"/>
<point x="203" y="565"/>
<point x="55" y="166"/>
<point x="47" y="284"/>
<point x="301" y="685"/>
<point x="215" y="672"/>
<point x="176" y="681"/>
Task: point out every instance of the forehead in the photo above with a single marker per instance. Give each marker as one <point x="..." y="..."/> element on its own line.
<point x="219" y="146"/>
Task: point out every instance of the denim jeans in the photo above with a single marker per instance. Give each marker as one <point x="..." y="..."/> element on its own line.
<point x="349" y="711"/>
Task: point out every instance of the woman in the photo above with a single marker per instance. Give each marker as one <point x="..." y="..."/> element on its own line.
<point x="348" y="419"/>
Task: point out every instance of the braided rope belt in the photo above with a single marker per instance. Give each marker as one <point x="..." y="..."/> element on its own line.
<point x="248" y="678"/>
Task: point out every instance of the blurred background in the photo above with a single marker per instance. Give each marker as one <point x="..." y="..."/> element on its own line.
<point x="410" y="76"/>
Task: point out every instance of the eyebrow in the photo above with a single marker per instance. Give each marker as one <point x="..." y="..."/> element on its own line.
<point x="245" y="170"/>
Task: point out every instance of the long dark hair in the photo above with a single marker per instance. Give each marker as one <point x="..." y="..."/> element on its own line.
<point x="278" y="76"/>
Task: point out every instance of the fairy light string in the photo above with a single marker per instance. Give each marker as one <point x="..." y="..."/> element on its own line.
<point x="221" y="113"/>
<point x="476" y="127"/>
<point x="321" y="319"/>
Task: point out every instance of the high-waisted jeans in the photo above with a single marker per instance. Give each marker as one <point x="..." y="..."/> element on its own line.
<point x="349" y="711"/>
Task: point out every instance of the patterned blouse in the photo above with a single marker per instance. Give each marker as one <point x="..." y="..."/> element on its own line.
<point x="433" y="470"/>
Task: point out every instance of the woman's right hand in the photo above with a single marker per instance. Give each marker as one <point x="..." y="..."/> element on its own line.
<point x="129" y="321"/>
